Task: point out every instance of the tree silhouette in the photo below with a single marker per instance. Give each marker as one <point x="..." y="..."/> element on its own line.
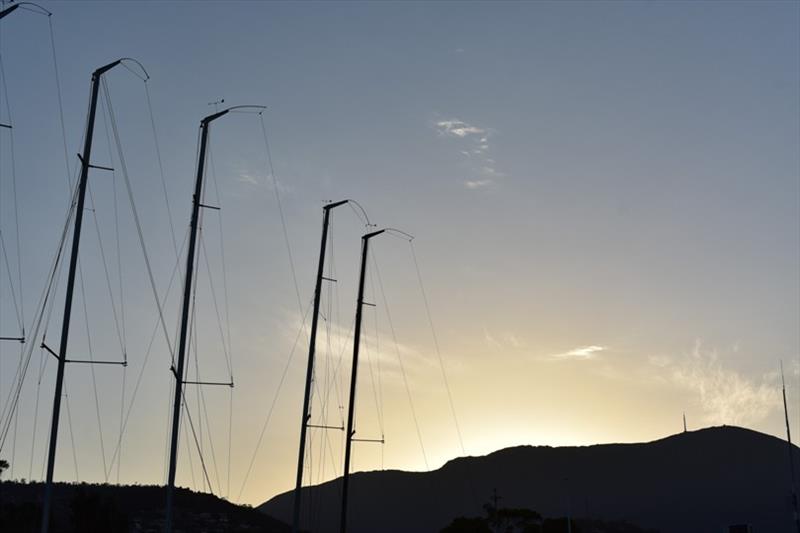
<point x="498" y="520"/>
<point x="467" y="525"/>
<point x="3" y="466"/>
<point x="520" y="520"/>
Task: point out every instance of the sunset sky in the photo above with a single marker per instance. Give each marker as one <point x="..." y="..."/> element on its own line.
<point x="605" y="199"/>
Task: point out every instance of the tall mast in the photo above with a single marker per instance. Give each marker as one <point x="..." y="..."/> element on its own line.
<point x="351" y="408"/>
<point x="791" y="454"/>
<point x="178" y="371"/>
<point x="187" y="296"/>
<point x="310" y="369"/>
<point x="61" y="355"/>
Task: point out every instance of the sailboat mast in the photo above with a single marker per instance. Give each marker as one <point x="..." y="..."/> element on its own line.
<point x="61" y="355"/>
<point x="791" y="454"/>
<point x="310" y="369"/>
<point x="351" y="408"/>
<point x="187" y="296"/>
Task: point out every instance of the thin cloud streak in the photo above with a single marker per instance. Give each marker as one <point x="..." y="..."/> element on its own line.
<point x="582" y="352"/>
<point x="458" y="128"/>
<point x="477" y="184"/>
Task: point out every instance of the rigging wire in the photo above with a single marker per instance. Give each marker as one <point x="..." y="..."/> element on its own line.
<point x="122" y="316"/>
<point x="201" y="401"/>
<point x="188" y="449"/>
<point x="436" y="346"/>
<point x="161" y="169"/>
<point x="379" y="392"/>
<point x="229" y="350"/>
<point x="193" y="344"/>
<point x="276" y="188"/>
<point x="137" y="222"/>
<point x="470" y="481"/>
<point x="149" y="349"/>
<point x="227" y="360"/>
<point x="91" y="368"/>
<point x="118" y="322"/>
<point x="68" y="175"/>
<point x="11" y="282"/>
<point x="368" y="351"/>
<point x="336" y="372"/>
<point x="42" y="362"/>
<point x="324" y="405"/>
<point x="216" y="306"/>
<point x="21" y="311"/>
<point x="10" y="406"/>
<point x="400" y="362"/>
<point x="192" y="336"/>
<point x="71" y="437"/>
<point x="196" y="442"/>
<point x="223" y="334"/>
<point x="268" y="417"/>
<point x="119" y="317"/>
<point x="136" y="219"/>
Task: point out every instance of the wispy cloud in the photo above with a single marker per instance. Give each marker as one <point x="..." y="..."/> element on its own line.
<point x="458" y="128"/>
<point x="477" y="184"/>
<point x="377" y="348"/>
<point x="582" y="352"/>
<point x="244" y="172"/>
<point x="725" y="395"/>
<point x="250" y="179"/>
<point x="474" y="145"/>
<point x="502" y="341"/>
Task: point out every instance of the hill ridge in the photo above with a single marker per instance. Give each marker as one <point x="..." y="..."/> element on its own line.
<point x="688" y="482"/>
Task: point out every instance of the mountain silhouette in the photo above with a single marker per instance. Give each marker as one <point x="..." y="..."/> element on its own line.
<point x="694" y="482"/>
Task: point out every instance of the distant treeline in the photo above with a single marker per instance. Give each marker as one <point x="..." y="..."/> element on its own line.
<point x="104" y="508"/>
<point x="512" y="520"/>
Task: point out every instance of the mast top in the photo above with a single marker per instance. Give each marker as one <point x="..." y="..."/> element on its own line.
<point x="8" y="10"/>
<point x="14" y="5"/>
<point x="214" y="116"/>
<point x="105" y="68"/>
<point x="331" y="205"/>
<point x="373" y="234"/>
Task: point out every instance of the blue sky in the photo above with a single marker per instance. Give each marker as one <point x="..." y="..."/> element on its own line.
<point x="605" y="199"/>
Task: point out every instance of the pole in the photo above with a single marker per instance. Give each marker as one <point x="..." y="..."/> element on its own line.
<point x="73" y="263"/>
<point x="791" y="454"/>
<point x="310" y="369"/>
<point x="351" y="408"/>
<point x="569" y="507"/>
<point x="187" y="296"/>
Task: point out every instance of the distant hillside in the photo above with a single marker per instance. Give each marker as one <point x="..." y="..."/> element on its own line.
<point x="89" y="508"/>
<point x="695" y="482"/>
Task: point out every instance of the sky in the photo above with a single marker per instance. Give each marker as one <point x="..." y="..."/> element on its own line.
<point x="604" y="199"/>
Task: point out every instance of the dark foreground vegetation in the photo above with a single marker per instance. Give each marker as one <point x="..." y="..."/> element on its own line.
<point x="527" y="521"/>
<point x="89" y="508"/>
